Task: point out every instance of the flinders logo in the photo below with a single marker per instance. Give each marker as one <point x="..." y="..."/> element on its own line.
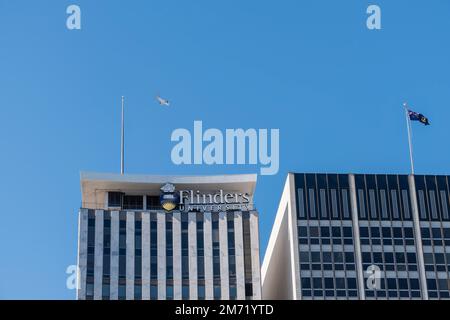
<point x="194" y="200"/>
<point x="169" y="199"/>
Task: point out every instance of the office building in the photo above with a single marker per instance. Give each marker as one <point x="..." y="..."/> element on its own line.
<point x="360" y="236"/>
<point x="168" y="237"/>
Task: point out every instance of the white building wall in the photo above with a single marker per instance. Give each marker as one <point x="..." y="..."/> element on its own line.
<point x="114" y="281"/>
<point x="239" y="249"/>
<point x="193" y="271"/>
<point x="98" y="255"/>
<point x="146" y="256"/>
<point x="82" y="253"/>
<point x="207" y="232"/>
<point x="161" y="232"/>
<point x="254" y="241"/>
<point x="176" y="236"/>
<point x="223" y="241"/>
<point x="130" y="253"/>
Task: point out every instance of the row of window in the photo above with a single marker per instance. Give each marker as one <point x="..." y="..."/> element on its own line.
<point x="433" y="197"/>
<point x="438" y="288"/>
<point x="435" y="236"/>
<point x="322" y="196"/>
<point x="390" y="261"/>
<point x="386" y="236"/>
<point x="317" y="287"/>
<point x="326" y="235"/>
<point x="379" y="197"/>
<point x="132" y="202"/>
<point x="169" y="255"/>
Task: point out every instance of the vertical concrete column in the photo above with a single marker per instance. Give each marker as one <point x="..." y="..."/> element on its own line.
<point x="192" y="234"/>
<point x="98" y="255"/>
<point x="293" y="238"/>
<point x="82" y="253"/>
<point x="254" y="242"/>
<point x="207" y="230"/>
<point x="239" y="254"/>
<point x="176" y="228"/>
<point x="223" y="244"/>
<point x="146" y="256"/>
<point x="130" y="256"/>
<point x="161" y="231"/>
<point x="114" y="284"/>
<point x="418" y="236"/>
<point x="357" y="242"/>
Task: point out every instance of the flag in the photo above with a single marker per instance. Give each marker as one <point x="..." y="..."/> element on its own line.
<point x="414" y="116"/>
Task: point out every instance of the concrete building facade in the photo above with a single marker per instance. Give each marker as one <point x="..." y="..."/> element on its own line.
<point x="168" y="237"/>
<point x="362" y="236"/>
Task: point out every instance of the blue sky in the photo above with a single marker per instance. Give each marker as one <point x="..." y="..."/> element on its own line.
<point x="310" y="68"/>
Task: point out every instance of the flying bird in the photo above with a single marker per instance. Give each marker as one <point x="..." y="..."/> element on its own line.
<point x="162" y="101"/>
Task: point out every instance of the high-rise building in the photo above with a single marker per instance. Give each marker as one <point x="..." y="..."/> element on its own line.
<point x="362" y="236"/>
<point x="168" y="237"/>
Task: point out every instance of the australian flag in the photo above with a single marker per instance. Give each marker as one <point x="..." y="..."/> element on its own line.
<point x="414" y="116"/>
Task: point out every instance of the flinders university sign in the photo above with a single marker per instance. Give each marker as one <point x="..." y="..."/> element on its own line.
<point x="194" y="200"/>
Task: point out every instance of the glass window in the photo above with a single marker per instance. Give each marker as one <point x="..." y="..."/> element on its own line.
<point x="201" y="292"/>
<point x="436" y="233"/>
<point x="303" y="232"/>
<point x="153" y="292"/>
<point x="122" y="291"/>
<point x="428" y="258"/>
<point x="336" y="231"/>
<point x="351" y="283"/>
<point x="304" y="257"/>
<point x="312" y="204"/>
<point x="386" y="232"/>
<point x="133" y="202"/>
<point x="153" y="203"/>
<point x="317" y="283"/>
<point x="90" y="289"/>
<point x="314" y="232"/>
<point x="185" y="292"/>
<point x="364" y="232"/>
<point x="137" y="292"/>
<point x="325" y="232"/>
<point x="301" y="204"/>
<point x="375" y="232"/>
<point x="114" y="199"/>
<point x="169" y="292"/>
<point x="217" y="292"/>
<point x="389" y="257"/>
<point x="338" y="257"/>
<point x="334" y="204"/>
<point x="340" y="283"/>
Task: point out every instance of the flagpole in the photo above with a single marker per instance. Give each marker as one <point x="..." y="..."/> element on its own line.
<point x="122" y="141"/>
<point x="408" y="125"/>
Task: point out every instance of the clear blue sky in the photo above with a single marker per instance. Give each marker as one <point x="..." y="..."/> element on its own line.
<point x="310" y="68"/>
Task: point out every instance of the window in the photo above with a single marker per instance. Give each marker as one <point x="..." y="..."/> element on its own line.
<point x="153" y="203"/>
<point x="314" y="232"/>
<point x="185" y="292"/>
<point x="105" y="291"/>
<point x="90" y="289"/>
<point x="201" y="292"/>
<point x="133" y="202"/>
<point x="301" y="204"/>
<point x="115" y="199"/>
<point x="153" y="292"/>
<point x="137" y="292"/>
<point x="122" y="292"/>
<point x="306" y="283"/>
<point x="217" y="292"/>
<point x="169" y="292"/>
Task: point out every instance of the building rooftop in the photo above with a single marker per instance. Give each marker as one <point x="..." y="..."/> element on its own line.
<point x="94" y="184"/>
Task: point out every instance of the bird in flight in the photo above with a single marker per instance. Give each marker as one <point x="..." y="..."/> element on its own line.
<point x="162" y="101"/>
